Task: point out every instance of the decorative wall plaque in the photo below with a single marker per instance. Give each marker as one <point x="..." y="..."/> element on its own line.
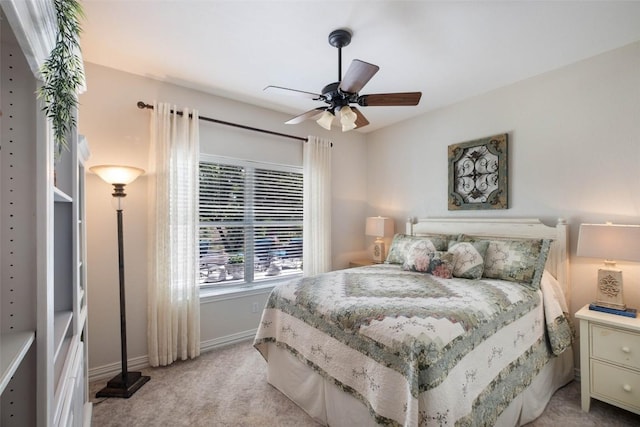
<point x="478" y="174"/>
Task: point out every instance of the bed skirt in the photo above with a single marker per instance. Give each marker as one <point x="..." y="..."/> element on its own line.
<point x="329" y="405"/>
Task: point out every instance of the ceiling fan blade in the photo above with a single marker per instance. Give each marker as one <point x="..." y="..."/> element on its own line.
<point x="361" y="120"/>
<point x="304" y="116"/>
<point x="390" y="99"/>
<point x="287" y="91"/>
<point x="358" y="74"/>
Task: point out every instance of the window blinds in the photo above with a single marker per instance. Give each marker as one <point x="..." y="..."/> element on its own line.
<point x="250" y="213"/>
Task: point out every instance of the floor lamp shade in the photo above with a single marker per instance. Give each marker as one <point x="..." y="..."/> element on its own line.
<point x="126" y="383"/>
<point x="611" y="242"/>
<point x="379" y="227"/>
<point x="113" y="174"/>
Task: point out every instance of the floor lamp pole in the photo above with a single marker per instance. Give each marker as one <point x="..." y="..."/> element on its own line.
<point x="123" y="312"/>
<point x="126" y="383"/>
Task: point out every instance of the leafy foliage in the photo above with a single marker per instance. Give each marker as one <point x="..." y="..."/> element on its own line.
<point x="236" y="259"/>
<point x="62" y="72"/>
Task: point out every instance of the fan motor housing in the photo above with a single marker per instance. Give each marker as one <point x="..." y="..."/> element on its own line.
<point x="334" y="96"/>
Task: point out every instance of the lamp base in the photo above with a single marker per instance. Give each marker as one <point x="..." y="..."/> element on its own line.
<point x="378" y="250"/>
<point x="117" y="387"/>
<point x="609" y="291"/>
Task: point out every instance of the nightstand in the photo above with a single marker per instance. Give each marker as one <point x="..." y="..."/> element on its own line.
<point x="361" y="262"/>
<point x="609" y="359"/>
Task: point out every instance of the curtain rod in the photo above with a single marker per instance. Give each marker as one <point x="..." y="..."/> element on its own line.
<point x="143" y="105"/>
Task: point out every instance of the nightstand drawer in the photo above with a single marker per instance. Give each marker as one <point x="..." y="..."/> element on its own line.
<point x="616" y="346"/>
<point x="618" y="384"/>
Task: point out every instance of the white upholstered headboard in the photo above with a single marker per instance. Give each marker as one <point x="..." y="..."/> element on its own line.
<point x="557" y="262"/>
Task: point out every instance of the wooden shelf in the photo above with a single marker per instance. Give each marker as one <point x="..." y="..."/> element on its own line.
<point x="83" y="316"/>
<point x="14" y="347"/>
<point x="61" y="196"/>
<point x="61" y="323"/>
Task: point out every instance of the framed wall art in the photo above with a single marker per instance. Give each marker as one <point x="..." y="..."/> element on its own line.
<point x="478" y="174"/>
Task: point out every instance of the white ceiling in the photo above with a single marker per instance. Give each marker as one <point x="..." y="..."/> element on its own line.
<point x="448" y="50"/>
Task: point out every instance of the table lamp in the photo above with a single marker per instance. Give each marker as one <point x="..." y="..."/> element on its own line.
<point x="379" y="227"/>
<point x="610" y="242"/>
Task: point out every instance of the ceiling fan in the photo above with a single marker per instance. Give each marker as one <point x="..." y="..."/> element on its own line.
<point x="340" y="94"/>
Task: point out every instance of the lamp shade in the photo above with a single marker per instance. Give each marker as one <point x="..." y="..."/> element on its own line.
<point x="348" y="126"/>
<point x="326" y="119"/>
<point x="347" y="118"/>
<point x="113" y="174"/>
<point x="609" y="241"/>
<point x="347" y="115"/>
<point x="379" y="226"/>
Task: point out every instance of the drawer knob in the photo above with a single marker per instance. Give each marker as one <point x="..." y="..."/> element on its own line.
<point x="626" y="349"/>
<point x="626" y="387"/>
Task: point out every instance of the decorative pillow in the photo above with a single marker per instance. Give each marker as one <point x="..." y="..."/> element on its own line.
<point x="515" y="260"/>
<point x="417" y="257"/>
<point x="441" y="264"/>
<point x="438" y="263"/>
<point x="402" y="243"/>
<point x="468" y="258"/>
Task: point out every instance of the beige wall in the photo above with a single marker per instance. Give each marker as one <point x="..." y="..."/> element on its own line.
<point x="117" y="133"/>
<point x="574" y="152"/>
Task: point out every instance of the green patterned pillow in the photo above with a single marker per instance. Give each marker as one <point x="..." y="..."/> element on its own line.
<point x="402" y="243"/>
<point x="515" y="260"/>
<point x="468" y="258"/>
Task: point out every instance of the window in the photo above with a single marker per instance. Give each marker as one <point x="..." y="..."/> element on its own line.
<point x="250" y="221"/>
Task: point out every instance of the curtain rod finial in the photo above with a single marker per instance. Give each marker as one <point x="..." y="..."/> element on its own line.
<point x="142" y="105"/>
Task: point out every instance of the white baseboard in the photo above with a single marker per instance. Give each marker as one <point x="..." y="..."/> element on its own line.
<point x="227" y="340"/>
<point x="141" y="362"/>
<point x="113" y="369"/>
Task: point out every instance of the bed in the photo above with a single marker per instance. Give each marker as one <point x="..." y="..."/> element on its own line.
<point x="478" y="334"/>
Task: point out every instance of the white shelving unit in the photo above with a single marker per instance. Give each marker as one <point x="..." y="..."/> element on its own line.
<point x="14" y="348"/>
<point x="43" y="312"/>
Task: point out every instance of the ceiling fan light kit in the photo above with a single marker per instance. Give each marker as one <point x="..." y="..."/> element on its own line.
<point x="338" y="95"/>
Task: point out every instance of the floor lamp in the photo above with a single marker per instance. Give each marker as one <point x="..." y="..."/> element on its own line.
<point x="126" y="383"/>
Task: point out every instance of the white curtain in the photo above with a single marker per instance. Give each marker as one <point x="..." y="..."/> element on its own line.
<point x="173" y="300"/>
<point x="316" y="250"/>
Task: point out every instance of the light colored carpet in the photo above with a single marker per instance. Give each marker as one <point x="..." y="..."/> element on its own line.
<point x="228" y="387"/>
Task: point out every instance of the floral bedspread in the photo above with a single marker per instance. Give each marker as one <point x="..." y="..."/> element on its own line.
<point x="415" y="348"/>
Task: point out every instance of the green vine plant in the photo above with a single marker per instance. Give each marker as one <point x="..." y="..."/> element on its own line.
<point x="62" y="73"/>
